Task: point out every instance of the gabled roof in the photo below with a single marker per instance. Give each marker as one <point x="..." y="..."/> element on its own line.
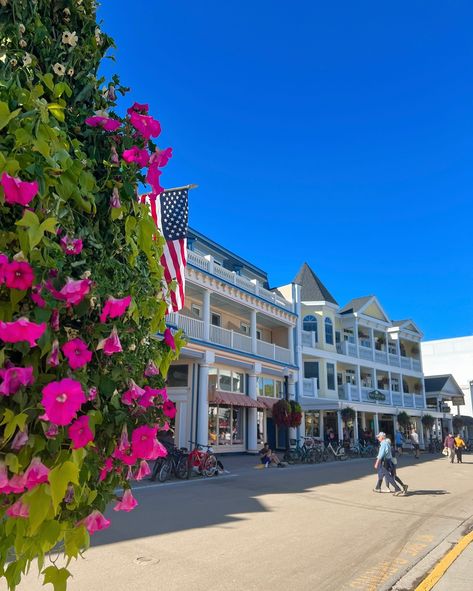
<point x="407" y="324"/>
<point x="355" y="305"/>
<point x="368" y="306"/>
<point x="447" y="386"/>
<point x="435" y="383"/>
<point x="312" y="289"/>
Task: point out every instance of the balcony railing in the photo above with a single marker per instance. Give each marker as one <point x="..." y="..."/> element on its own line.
<point x="206" y="263"/>
<point x="367" y="353"/>
<point x="310" y="388"/>
<point x="351" y="392"/>
<point x="229" y="338"/>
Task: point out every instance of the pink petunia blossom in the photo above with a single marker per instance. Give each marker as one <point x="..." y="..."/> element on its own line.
<point x="133" y="394"/>
<point x="115" y="202"/>
<point x="3" y="475"/>
<point x="16" y="484"/>
<point x="139" y="108"/>
<point x="126" y="456"/>
<point x="111" y="344"/>
<point x="18" y="509"/>
<point x="71" y="246"/>
<point x="169" y="409"/>
<point x="135" y="154"/>
<point x="36" y="296"/>
<point x="148" y="398"/>
<point x="169" y="339"/>
<point x="105" y="123"/>
<point x="114" y="308"/>
<point x="114" y="158"/>
<point x="80" y="433"/>
<point x="161" y="157"/>
<point x="19" y="275"/>
<point x="3" y="265"/>
<point x="18" y="191"/>
<point x="14" y="378"/>
<point x="92" y="394"/>
<point x="54" y="321"/>
<point x="21" y="330"/>
<point x="52" y="431"/>
<point x="95" y="522"/>
<point x="108" y="467"/>
<point x="20" y="440"/>
<point x="53" y="357"/>
<point x="77" y="353"/>
<point x="73" y="292"/>
<point x="143" y="471"/>
<point x="36" y="473"/>
<point x="128" y="502"/>
<point x="145" y="125"/>
<point x="144" y="444"/>
<point x="152" y="177"/>
<point x="62" y="400"/>
<point x="151" y="369"/>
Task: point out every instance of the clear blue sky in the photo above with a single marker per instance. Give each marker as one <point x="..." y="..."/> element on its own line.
<point x="337" y="133"/>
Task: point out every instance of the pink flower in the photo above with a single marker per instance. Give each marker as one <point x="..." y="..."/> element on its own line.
<point x="52" y="431"/>
<point x="36" y="473"/>
<point x="95" y="522"/>
<point x="18" y="191"/>
<point x="114" y="308"/>
<point x="145" y="446"/>
<point x="135" y="154"/>
<point x="21" y="330"/>
<point x="16" y="484"/>
<point x="105" y="123"/>
<point x="20" y="440"/>
<point x="111" y="344"/>
<point x="62" y="400"/>
<point x="53" y="357"/>
<point x="161" y="157"/>
<point x="54" y="321"/>
<point x="126" y="456"/>
<point x="71" y="246"/>
<point x="143" y="471"/>
<point x="115" y="202"/>
<point x="169" y="409"/>
<point x="133" y="394"/>
<point x="127" y="503"/>
<point x="151" y="369"/>
<point x="35" y="295"/>
<point x="3" y="475"/>
<point x="18" y="275"/>
<point x="145" y="125"/>
<point x="169" y="339"/>
<point x="80" y="432"/>
<point x="92" y="395"/>
<point x="108" y="467"/>
<point x="18" y="509"/>
<point x="73" y="292"/>
<point x="77" y="353"/>
<point x="3" y="265"/>
<point x="152" y="177"/>
<point x="114" y="159"/>
<point x="14" y="378"/>
<point x="138" y="107"/>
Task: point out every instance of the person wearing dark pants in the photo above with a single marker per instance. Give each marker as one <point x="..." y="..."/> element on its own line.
<point x="459" y="445"/>
<point x="382" y="465"/>
<point x="392" y="467"/>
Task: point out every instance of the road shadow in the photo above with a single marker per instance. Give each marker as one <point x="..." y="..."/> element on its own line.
<point x="412" y="493"/>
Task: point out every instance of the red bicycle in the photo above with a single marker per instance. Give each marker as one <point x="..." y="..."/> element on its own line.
<point x="202" y="461"/>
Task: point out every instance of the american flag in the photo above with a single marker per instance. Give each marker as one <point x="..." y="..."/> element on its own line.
<point x="170" y="212"/>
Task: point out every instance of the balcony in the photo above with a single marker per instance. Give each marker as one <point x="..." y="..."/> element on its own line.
<point x="208" y="265"/>
<point x="310" y="388"/>
<point x="366" y="352"/>
<point x="378" y="396"/>
<point x="194" y="329"/>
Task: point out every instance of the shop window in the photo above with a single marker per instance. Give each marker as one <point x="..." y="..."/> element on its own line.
<point x="260" y="427"/>
<point x="226" y="425"/>
<point x="328" y="331"/>
<point x="178" y="376"/>
<point x="312" y="422"/>
<point x="330" y="376"/>
<point x="238" y="382"/>
<point x="269" y="387"/>
<point x="227" y="380"/>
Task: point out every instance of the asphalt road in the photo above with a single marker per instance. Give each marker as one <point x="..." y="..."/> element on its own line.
<point x="314" y="528"/>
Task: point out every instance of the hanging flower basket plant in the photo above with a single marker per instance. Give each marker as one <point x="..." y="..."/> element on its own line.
<point x="428" y="421"/>
<point x="296" y="414"/>
<point x="404" y="420"/>
<point x="282" y="413"/>
<point x="348" y="414"/>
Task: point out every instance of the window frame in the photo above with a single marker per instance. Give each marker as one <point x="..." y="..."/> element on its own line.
<point x="332" y="375"/>
<point x="328" y="325"/>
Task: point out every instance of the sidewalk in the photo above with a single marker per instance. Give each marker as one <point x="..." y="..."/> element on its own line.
<point x="458" y="575"/>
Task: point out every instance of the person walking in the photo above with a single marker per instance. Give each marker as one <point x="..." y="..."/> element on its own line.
<point x="449" y="444"/>
<point x="393" y="469"/>
<point x="459" y="445"/>
<point x="399" y="440"/>
<point x="415" y="442"/>
<point x="383" y="465"/>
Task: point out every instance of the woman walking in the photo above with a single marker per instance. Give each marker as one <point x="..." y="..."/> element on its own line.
<point x="459" y="445"/>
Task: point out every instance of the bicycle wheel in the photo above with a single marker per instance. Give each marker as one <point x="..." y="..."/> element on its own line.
<point x="165" y="470"/>
<point x="181" y="469"/>
<point x="318" y="456"/>
<point x="291" y="456"/>
<point x="341" y="455"/>
<point x="156" y="468"/>
<point x="210" y="466"/>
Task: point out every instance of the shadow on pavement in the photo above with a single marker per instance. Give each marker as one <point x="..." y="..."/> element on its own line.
<point x="412" y="493"/>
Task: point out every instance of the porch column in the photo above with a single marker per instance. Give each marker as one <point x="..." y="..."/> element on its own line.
<point x="401" y="385"/>
<point x="375" y="379"/>
<point x="254" y="342"/>
<point x="203" y="399"/>
<point x="290" y="343"/>
<point x="340" y="425"/>
<point x="363" y="420"/>
<point x="421" y="432"/>
<point x="358" y="380"/>
<point x="206" y="315"/>
<point x="357" y="345"/>
<point x="450" y="426"/>
<point x="372" y="342"/>
<point x="356" y="435"/>
<point x="390" y="390"/>
<point x="376" y="424"/>
<point x="321" y="426"/>
<point x="291" y="390"/>
<point x="252" y="443"/>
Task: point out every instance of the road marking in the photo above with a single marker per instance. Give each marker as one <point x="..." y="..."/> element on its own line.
<point x="444" y="564"/>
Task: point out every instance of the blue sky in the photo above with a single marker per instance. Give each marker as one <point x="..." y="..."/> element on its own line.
<point x="337" y="133"/>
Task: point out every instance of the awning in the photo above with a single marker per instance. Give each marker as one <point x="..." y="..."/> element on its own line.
<point x="220" y="397"/>
<point x="266" y="402"/>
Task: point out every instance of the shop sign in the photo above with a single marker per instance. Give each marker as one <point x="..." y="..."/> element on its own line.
<point x="376" y="395"/>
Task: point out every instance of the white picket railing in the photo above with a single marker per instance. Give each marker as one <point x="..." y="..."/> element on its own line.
<point x="310" y="387"/>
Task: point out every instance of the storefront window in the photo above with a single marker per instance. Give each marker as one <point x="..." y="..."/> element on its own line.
<point x="238" y="382"/>
<point x="226" y="425"/>
<point x="312" y="421"/>
<point x="213" y="425"/>
<point x="270" y="387"/>
<point x="237" y="425"/>
<point x="227" y="380"/>
<point x="260" y="432"/>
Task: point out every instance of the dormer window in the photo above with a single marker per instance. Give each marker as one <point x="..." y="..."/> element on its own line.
<point x="310" y="324"/>
<point x="328" y="331"/>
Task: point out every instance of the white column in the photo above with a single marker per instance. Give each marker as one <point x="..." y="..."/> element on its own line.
<point x="358" y="380"/>
<point x="372" y="342"/>
<point x="321" y="425"/>
<point x="206" y="314"/>
<point x="376" y="424"/>
<point x="363" y="420"/>
<point x="203" y="399"/>
<point x="254" y="342"/>
<point x="252" y="443"/>
<point x="340" y="425"/>
<point x="356" y="435"/>
<point x="291" y="388"/>
<point x="375" y="379"/>
<point x="355" y="334"/>
<point x="420" y="430"/>
<point x="290" y="342"/>
<point x="211" y="263"/>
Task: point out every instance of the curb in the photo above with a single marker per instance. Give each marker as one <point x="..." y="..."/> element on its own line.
<point x="444" y="563"/>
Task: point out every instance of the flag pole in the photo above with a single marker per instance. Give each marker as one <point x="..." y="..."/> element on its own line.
<point x="189" y="187"/>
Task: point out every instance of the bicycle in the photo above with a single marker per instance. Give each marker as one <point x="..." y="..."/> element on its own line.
<point x="338" y="453"/>
<point x="175" y="462"/>
<point x="305" y="453"/>
<point x="203" y="462"/>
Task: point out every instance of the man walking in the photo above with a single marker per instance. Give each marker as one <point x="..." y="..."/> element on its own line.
<point x="415" y="442"/>
<point x="384" y="465"/>
<point x="399" y="440"/>
<point x="449" y="444"/>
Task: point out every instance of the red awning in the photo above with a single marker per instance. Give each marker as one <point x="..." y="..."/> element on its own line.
<point x="220" y="397"/>
<point x="266" y="402"/>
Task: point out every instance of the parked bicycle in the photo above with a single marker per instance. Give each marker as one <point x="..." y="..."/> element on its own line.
<point x="176" y="462"/>
<point x="202" y="461"/>
<point x="308" y="452"/>
<point x="435" y="446"/>
<point x="335" y="451"/>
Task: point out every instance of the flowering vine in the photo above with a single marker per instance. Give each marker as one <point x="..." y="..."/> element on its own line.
<point x="82" y="370"/>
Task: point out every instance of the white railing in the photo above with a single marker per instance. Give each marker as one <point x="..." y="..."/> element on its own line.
<point x="282" y="354"/>
<point x="380" y="356"/>
<point x="351" y="348"/>
<point x="207" y="263"/>
<point x="308" y="338"/>
<point x="416" y="365"/>
<point x="265" y="349"/>
<point x="408" y="400"/>
<point x="191" y="326"/>
<point x="396" y="398"/>
<point x="406" y="362"/>
<point x="365" y="352"/>
<point x="221" y="336"/>
<point x="241" y="342"/>
<point x="310" y="387"/>
<point x="393" y="359"/>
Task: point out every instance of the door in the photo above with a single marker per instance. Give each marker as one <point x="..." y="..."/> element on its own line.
<point x="271" y="433"/>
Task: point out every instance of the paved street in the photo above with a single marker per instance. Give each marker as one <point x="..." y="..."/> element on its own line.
<point x="317" y="528"/>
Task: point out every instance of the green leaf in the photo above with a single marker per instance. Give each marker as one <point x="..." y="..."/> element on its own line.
<point x="57" y="110"/>
<point x="39" y="503"/>
<point x="11" y="460"/>
<point x="59" y="478"/>
<point x="5" y="115"/>
<point x="56" y="576"/>
<point x="48" y="534"/>
<point x="76" y="540"/>
<point x="12" y="421"/>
